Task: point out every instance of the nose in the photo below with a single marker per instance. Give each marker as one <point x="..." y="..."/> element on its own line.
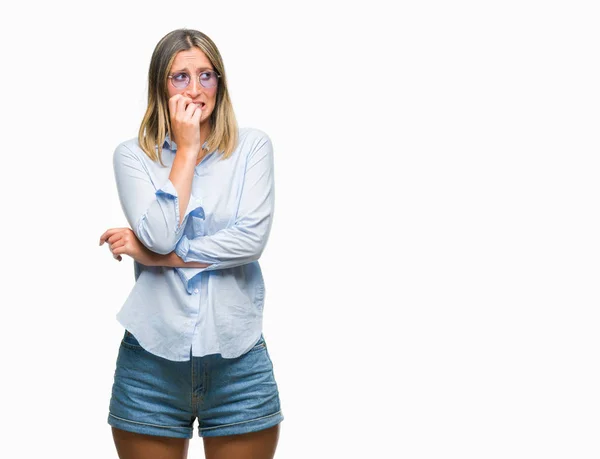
<point x="193" y="88"/>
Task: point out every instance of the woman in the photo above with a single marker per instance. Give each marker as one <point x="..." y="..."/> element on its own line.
<point x="198" y="194"/>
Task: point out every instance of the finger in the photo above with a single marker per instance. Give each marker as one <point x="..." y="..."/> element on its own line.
<point x="108" y="233"/>
<point x="197" y="115"/>
<point x="103" y="237"/>
<point x="173" y="104"/>
<point x="190" y="111"/>
<point x="121" y="250"/>
<point x="182" y="103"/>
<point x="115" y="255"/>
<point x="115" y="237"/>
<point x="117" y="244"/>
<point x="174" y="100"/>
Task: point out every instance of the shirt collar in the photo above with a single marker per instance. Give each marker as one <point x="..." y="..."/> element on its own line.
<point x="168" y="143"/>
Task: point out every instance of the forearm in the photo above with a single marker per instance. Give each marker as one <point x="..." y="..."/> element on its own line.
<point x="182" y="175"/>
<point x="227" y="248"/>
<point x="156" y="215"/>
<point x="172" y="260"/>
<point x="243" y="241"/>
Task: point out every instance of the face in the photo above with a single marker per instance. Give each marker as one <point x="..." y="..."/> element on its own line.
<point x="193" y="63"/>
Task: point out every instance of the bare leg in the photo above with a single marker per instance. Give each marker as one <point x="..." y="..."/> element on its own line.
<point x="139" y="446"/>
<point x="253" y="445"/>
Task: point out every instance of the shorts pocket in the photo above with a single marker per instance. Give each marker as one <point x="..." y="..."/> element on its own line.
<point x="129" y="341"/>
<point x="260" y="344"/>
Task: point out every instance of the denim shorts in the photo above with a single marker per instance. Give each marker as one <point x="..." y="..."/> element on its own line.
<point x="155" y="396"/>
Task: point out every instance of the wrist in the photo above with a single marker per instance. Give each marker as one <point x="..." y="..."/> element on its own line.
<point x="169" y="260"/>
<point x="188" y="153"/>
<point x="151" y="258"/>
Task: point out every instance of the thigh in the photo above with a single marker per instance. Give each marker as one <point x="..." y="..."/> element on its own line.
<point x="132" y="445"/>
<point x="253" y="445"/>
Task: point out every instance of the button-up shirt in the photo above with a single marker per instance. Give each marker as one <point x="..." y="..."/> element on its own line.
<point x="176" y="313"/>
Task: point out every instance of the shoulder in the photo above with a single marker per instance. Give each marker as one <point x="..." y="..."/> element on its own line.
<point x="129" y="146"/>
<point x="252" y="139"/>
<point x="250" y="134"/>
<point x="129" y="150"/>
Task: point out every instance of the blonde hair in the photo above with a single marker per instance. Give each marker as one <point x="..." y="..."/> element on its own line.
<point x="156" y="122"/>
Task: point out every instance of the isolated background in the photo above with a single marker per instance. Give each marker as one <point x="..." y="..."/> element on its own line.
<point x="432" y="271"/>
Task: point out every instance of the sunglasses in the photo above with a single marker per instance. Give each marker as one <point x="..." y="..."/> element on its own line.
<point x="208" y="79"/>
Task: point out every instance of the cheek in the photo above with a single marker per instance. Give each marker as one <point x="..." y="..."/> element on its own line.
<point x="171" y="91"/>
<point x="213" y="99"/>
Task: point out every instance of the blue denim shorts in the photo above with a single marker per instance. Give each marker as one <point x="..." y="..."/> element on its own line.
<point x="155" y="396"/>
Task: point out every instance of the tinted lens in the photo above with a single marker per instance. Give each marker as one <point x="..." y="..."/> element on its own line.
<point x="208" y="79"/>
<point x="180" y="80"/>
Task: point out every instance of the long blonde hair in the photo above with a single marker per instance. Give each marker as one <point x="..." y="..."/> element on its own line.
<point x="156" y="123"/>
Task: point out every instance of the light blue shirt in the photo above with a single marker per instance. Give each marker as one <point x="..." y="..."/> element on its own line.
<point x="178" y="312"/>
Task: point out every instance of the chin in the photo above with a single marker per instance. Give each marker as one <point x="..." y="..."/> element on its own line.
<point x="205" y="118"/>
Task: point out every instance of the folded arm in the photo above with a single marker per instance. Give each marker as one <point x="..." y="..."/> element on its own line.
<point x="154" y="215"/>
<point x="244" y="241"/>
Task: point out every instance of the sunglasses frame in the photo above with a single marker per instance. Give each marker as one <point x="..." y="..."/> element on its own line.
<point x="199" y="80"/>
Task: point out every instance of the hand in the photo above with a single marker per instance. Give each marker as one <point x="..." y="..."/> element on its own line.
<point x="124" y="241"/>
<point x="185" y="123"/>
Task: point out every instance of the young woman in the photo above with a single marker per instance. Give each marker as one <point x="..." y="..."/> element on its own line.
<point x="198" y="194"/>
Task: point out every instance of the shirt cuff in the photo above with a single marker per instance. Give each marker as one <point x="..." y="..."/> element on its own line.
<point x="168" y="188"/>
<point x="169" y="191"/>
<point x="182" y="247"/>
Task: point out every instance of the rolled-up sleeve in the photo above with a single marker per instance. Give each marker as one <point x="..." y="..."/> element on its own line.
<point x="153" y="214"/>
<point x="244" y="241"/>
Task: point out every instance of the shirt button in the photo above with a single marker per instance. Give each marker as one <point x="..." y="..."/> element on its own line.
<point x="195" y="290"/>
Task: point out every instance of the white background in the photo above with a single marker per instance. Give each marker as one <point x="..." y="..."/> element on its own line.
<point x="432" y="270"/>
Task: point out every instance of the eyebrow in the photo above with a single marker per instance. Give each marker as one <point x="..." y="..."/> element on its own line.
<point x="185" y="69"/>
